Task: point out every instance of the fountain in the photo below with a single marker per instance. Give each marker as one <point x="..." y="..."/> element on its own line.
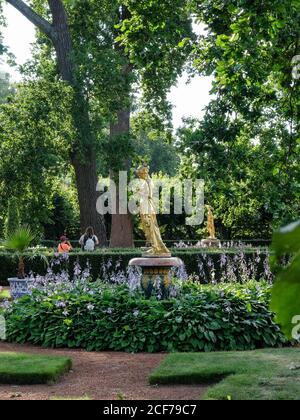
<point x="156" y="261"/>
<point x="211" y="241"/>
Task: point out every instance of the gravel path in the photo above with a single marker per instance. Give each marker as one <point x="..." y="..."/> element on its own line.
<point x="101" y="376"/>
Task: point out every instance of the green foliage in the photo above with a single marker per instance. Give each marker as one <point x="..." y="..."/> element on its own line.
<point x="35" y="123"/>
<point x="27" y="369"/>
<point x="286" y="290"/>
<point x="55" y="122"/>
<point x="6" y="88"/>
<point x="154" y="144"/>
<point x="12" y="222"/>
<point x="286" y="239"/>
<point x="119" y="44"/>
<point x="63" y="213"/>
<point x="100" y="317"/>
<point x="19" y="240"/>
<point x="8" y="265"/>
<point x="115" y="149"/>
<point x="157" y="38"/>
<point x="4" y="295"/>
<point x="256" y="375"/>
<point x="235" y="167"/>
<point x="246" y="147"/>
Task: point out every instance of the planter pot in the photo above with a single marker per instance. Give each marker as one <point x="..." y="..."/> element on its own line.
<point x="19" y="287"/>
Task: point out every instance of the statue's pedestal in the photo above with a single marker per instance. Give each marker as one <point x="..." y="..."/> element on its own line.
<point x="211" y="243"/>
<point x="156" y="270"/>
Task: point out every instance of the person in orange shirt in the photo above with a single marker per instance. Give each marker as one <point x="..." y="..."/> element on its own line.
<point x="64" y="246"/>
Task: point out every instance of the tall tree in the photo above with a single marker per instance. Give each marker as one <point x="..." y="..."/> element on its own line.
<point x="82" y="155"/>
<point x="104" y="49"/>
<point x="121" y="224"/>
<point x="142" y="44"/>
<point x="246" y="146"/>
<point x="152" y="39"/>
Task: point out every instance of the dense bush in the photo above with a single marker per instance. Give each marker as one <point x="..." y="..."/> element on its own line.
<point x="209" y="266"/>
<point x="99" y="316"/>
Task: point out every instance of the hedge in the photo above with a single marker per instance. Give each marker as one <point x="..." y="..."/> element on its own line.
<point x="171" y="243"/>
<point x="99" y="317"/>
<point x="206" y="264"/>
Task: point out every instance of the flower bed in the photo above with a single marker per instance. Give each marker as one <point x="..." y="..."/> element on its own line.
<point x="227" y="265"/>
<point x="100" y="316"/>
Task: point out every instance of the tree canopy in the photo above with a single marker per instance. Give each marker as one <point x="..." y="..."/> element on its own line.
<point x="247" y="145"/>
<point x="94" y="100"/>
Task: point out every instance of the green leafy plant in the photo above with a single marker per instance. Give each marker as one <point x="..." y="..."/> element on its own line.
<point x="286" y="290"/>
<point x="18" y="242"/>
<point x="99" y="317"/>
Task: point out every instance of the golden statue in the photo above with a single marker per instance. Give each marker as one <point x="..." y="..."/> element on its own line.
<point x="148" y="215"/>
<point x="211" y="241"/>
<point x="211" y="223"/>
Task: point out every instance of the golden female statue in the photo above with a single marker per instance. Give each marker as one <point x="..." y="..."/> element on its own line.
<point x="148" y="215"/>
<point x="211" y="223"/>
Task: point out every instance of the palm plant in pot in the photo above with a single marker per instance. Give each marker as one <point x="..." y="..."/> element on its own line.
<point x="18" y="242"/>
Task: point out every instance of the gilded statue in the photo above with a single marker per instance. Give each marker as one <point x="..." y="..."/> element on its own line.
<point x="211" y="223"/>
<point x="148" y="215"/>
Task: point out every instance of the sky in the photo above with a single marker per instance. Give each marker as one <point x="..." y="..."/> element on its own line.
<point x="188" y="99"/>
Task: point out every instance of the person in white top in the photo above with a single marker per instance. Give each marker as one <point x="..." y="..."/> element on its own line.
<point x="89" y="240"/>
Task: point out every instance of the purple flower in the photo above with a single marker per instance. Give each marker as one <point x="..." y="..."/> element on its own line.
<point x="60" y="304"/>
<point x="6" y="305"/>
<point x="77" y="270"/>
<point x="223" y="260"/>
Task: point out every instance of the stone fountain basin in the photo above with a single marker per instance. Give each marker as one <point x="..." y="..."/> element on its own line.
<point x="156" y="262"/>
<point x="154" y="269"/>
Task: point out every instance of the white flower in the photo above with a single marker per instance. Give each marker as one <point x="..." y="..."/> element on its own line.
<point x="60" y="304"/>
<point x="108" y="311"/>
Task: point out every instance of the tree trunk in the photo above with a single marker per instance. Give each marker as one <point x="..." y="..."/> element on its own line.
<point x="121" y="225"/>
<point x="86" y="180"/>
<point x="121" y="230"/>
<point x="21" y="268"/>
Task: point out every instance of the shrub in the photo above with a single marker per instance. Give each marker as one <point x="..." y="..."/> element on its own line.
<point x="99" y="316"/>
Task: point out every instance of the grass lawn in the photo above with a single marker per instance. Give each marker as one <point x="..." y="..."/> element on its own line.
<point x="254" y="375"/>
<point x="26" y="369"/>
